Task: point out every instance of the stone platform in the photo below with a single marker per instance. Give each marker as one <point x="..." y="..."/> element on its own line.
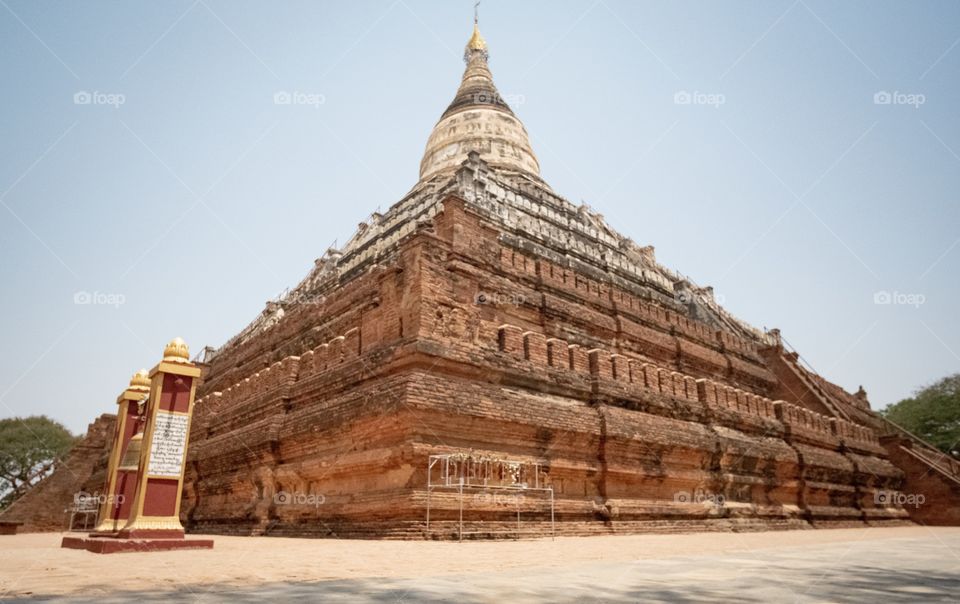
<point x="112" y="545"/>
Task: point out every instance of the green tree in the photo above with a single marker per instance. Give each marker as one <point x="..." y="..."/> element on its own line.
<point x="30" y="449"/>
<point x="933" y="414"/>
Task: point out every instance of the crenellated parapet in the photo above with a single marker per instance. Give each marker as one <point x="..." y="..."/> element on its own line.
<point x="647" y="325"/>
<point x="630" y="377"/>
<point x="630" y="374"/>
<point x="721" y="396"/>
<point x="263" y="392"/>
<point x="805" y="425"/>
<point x="825" y="429"/>
<point x="600" y="290"/>
<point x="856" y="437"/>
<point x="248" y="400"/>
<point x="330" y="354"/>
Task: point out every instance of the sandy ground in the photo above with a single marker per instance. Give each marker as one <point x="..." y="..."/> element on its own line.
<point x="35" y="565"/>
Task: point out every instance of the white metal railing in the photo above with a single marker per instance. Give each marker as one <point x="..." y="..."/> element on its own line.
<point x="466" y="471"/>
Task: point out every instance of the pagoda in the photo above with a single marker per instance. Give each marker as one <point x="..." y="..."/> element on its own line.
<point x="487" y="358"/>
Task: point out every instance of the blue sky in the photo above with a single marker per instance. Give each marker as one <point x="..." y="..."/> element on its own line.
<point x="181" y="197"/>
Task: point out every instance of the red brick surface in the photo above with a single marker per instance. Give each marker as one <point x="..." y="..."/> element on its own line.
<point x="634" y="410"/>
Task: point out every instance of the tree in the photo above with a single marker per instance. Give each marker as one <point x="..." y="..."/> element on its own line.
<point x="933" y="414"/>
<point x="30" y="449"/>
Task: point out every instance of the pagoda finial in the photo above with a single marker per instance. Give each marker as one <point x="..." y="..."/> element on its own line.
<point x="476" y="45"/>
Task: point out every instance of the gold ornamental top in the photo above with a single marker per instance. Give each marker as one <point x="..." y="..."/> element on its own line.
<point x="476" y="40"/>
<point x="176" y="351"/>
<point x="140" y="381"/>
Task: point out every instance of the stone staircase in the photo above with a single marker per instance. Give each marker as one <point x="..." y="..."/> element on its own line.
<point x="934" y="458"/>
<point x="931" y="487"/>
<point x="925" y="453"/>
<point x="792" y="362"/>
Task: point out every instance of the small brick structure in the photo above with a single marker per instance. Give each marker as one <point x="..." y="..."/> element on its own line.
<point x="9" y="527"/>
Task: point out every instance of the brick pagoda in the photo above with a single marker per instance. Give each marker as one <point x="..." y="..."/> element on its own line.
<point x="487" y="318"/>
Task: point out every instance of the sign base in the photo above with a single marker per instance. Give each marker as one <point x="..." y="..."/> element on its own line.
<point x="112" y="544"/>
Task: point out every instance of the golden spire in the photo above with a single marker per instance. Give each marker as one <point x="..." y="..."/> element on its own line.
<point x="476" y="42"/>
